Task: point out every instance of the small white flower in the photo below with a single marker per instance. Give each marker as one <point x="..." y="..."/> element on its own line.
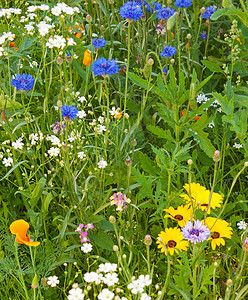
<point x="53" y="151"/>
<point x="70" y="42"/>
<point x="242" y="225"/>
<point x="237" y="146"/>
<point x="107" y="267"/>
<point x="76" y="294"/>
<point x="81" y="114"/>
<point x="211" y="125"/>
<point x="7" y="161"/>
<point x="86" y="248"/>
<point x="81" y="155"/>
<point x="110" y="279"/>
<point x="52" y="281"/>
<point x="145" y="279"/>
<point x="17" y="144"/>
<point x="136" y="287"/>
<point x="106" y="294"/>
<point x="91" y="277"/>
<point x="82" y="99"/>
<point x="144" y="296"/>
<point x="102" y="164"/>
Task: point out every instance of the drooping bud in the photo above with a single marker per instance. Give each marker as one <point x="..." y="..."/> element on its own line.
<point x="171" y="21"/>
<point x="216" y="157"/>
<point x="150" y="61"/>
<point x="192" y="92"/>
<point x="146" y="71"/>
<point x="202" y="10"/>
<point x="227" y="4"/>
<point x="190" y="162"/>
<point x="34" y="284"/>
<point x="229" y="282"/>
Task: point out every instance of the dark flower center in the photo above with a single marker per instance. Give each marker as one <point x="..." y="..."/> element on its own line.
<point x="204" y="204"/>
<point x="215" y="235"/>
<point x="194" y="231"/>
<point x="171" y="244"/>
<point x="178" y="217"/>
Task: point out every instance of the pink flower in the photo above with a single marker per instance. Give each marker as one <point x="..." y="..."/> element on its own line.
<point x="84" y="238"/>
<point x="89" y="226"/>
<point x="80" y="227"/>
<point x="119" y="200"/>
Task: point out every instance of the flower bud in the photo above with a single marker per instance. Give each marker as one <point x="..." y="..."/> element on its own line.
<point x="34" y="284"/>
<point x="227" y="4"/>
<point x="189" y="36"/>
<point x="59" y="60"/>
<point x="115" y="248"/>
<point x="202" y="10"/>
<point x="147" y="71"/>
<point x="3" y="115"/>
<point x="245" y="245"/>
<point x="190" y="162"/>
<point x="88" y="18"/>
<point x="246" y="164"/>
<point x="112" y="219"/>
<point x="134" y="142"/>
<point x="171" y="21"/>
<point x="192" y="92"/>
<point x="172" y="61"/>
<point x="150" y="61"/>
<point x="59" y="103"/>
<point x="68" y="58"/>
<point x="147" y="240"/>
<point x="128" y="162"/>
<point x="216" y="157"/>
<point x="229" y="282"/>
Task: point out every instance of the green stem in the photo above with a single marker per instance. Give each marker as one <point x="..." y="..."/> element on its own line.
<point x="20" y="274"/>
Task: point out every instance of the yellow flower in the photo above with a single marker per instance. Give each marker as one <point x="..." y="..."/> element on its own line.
<point x="219" y="229"/>
<point x="19" y="228"/>
<point x="182" y="214"/>
<point x="172" y="240"/>
<point x="200" y="197"/>
<point x="87" y="58"/>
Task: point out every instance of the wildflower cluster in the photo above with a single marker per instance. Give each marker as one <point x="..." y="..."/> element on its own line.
<point x="119" y="200"/>
<point x="83" y="234"/>
<point x="212" y="229"/>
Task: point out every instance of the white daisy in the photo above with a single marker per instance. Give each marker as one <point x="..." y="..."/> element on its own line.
<point x="52" y="281"/>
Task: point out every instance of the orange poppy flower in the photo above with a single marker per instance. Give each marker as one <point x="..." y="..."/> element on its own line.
<point x="173" y="35"/>
<point x="77" y="34"/>
<point x="87" y="58"/>
<point x="196" y="118"/>
<point x="20" y="228"/>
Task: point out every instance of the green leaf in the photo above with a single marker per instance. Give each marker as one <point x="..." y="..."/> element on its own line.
<point x="202" y="140"/>
<point x="104" y="241"/>
<point x="212" y="66"/>
<point x="160" y="132"/>
<point x="12" y="169"/>
<point x="79" y="69"/>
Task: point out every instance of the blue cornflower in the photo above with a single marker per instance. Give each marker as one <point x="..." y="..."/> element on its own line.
<point x="196" y="232"/>
<point x="165" y="12"/>
<point x="69" y="112"/>
<point x="103" y="67"/>
<point x="182" y="3"/>
<point x="208" y="12"/>
<point x="23" y="82"/>
<point x="98" y="43"/>
<point x="131" y="10"/>
<point x="165" y="71"/>
<point x="204" y="35"/>
<point x="168" y="51"/>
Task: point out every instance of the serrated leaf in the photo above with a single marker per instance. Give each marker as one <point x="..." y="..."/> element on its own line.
<point x="201" y="138"/>
<point x="212" y="66"/>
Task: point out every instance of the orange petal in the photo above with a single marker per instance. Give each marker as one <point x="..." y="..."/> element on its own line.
<point x="34" y="244"/>
<point x="19" y="227"/>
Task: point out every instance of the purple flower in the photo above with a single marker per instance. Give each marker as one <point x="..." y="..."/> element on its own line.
<point x="165" y="13"/>
<point x="56" y="126"/>
<point x="246" y="241"/>
<point x="168" y="51"/>
<point x="196" y="232"/>
<point x="131" y="10"/>
<point x="84" y="238"/>
<point x="204" y="35"/>
<point x="69" y="112"/>
<point x="98" y="43"/>
<point x="23" y="82"/>
<point x="103" y="67"/>
<point x="182" y="3"/>
<point x="208" y="12"/>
